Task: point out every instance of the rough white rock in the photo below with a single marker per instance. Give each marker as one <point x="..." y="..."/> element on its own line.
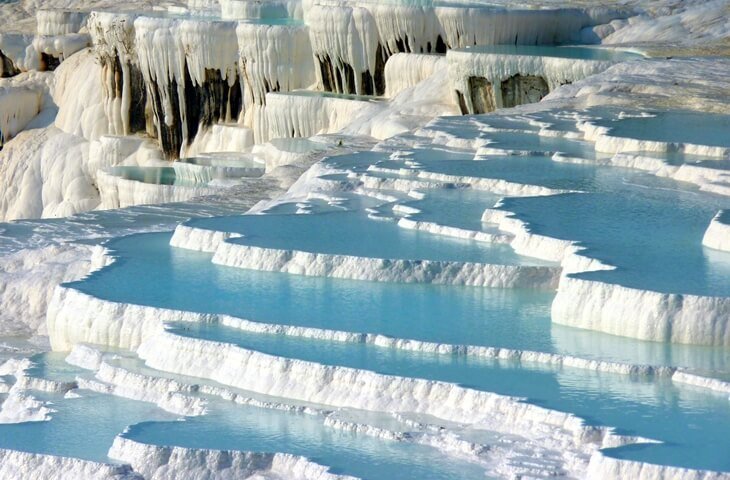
<point x="385" y="270"/>
<point x="14" y="464"/>
<point x="162" y="463"/>
<point x="167" y="394"/>
<point x="497" y="68"/>
<point x="84" y="356"/>
<point x="717" y="235"/>
<point x="360" y="389"/>
<point x="198" y="239"/>
<point x="20" y="407"/>
<point x="642" y="314"/>
<point x="27" y="280"/>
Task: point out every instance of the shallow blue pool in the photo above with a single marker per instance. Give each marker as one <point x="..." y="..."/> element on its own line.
<point x="673" y="126"/>
<point x="652" y="234"/>
<point x="529" y="142"/>
<point x="82" y="427"/>
<point x="354" y="233"/>
<point x="456" y="207"/>
<point x="691" y="419"/>
<point x="185" y="280"/>
<point x="533" y="170"/>
<point x="149" y="272"/>
<point x="650" y="228"/>
<point x="694" y="421"/>
<point x="236" y="427"/>
<point x="85" y="428"/>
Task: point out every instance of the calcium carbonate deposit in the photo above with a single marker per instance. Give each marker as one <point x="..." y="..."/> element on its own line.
<point x="365" y="239"/>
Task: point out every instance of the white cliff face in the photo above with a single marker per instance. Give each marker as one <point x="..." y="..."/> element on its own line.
<point x="487" y="26"/>
<point x="184" y="62"/>
<point x="79" y="95"/>
<point x="16" y="53"/>
<point x="114" y="46"/>
<point x="167" y="394"/>
<point x="496" y="70"/>
<point x="177" y="68"/>
<point x="226" y="137"/>
<point x="58" y="35"/>
<point x="248" y="9"/>
<point x="60" y="22"/>
<point x="346" y="46"/>
<point x="642" y="314"/>
<point x="18" y="106"/>
<point x="113" y="324"/>
<point x="273" y="58"/>
<point x="305" y="115"/>
<point x="406" y="70"/>
<point x="352" y="41"/>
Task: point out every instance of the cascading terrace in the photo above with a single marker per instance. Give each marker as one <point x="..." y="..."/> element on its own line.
<point x="365" y="239"/>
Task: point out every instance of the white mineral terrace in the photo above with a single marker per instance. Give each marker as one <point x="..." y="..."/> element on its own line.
<point x="364" y="239"/>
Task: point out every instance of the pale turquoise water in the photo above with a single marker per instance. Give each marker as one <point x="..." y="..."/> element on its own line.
<point x="694" y="422"/>
<point x="235" y="427"/>
<point x="512" y="318"/>
<point x="184" y="280"/>
<point x="153" y="175"/>
<point x="534" y="170"/>
<point x="653" y="234"/>
<point x="85" y="428"/>
<point x="675" y="127"/>
<point x="354" y="233"/>
<point x="82" y="427"/>
<point x="456" y="207"/>
<point x="649" y="227"/>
